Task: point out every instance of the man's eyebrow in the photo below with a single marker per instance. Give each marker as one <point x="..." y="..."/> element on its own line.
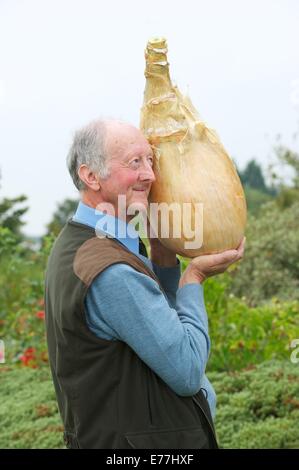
<point x="135" y="154"/>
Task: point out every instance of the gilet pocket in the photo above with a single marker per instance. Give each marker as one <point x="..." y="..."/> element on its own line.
<point x="180" y="438"/>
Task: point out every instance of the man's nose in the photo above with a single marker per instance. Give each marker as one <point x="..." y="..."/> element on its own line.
<point x="147" y="173"/>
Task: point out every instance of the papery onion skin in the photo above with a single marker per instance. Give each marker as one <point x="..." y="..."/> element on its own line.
<point x="191" y="165"/>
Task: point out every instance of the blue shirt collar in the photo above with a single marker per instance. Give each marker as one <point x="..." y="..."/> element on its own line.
<point x="109" y="225"/>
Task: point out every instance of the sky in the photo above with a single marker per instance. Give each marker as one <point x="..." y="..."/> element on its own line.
<point x="64" y="63"/>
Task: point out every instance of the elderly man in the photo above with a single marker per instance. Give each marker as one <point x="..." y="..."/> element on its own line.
<point x="127" y="336"/>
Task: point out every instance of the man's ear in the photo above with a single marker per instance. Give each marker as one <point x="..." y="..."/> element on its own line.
<point x="90" y="178"/>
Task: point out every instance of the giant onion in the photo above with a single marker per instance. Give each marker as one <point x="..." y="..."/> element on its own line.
<point x="191" y="166"/>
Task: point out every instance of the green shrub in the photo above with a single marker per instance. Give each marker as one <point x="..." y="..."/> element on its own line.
<point x="270" y="267"/>
<point x="28" y="410"/>
<point x="255" y="199"/>
<point x="21" y="301"/>
<point x="243" y="336"/>
<point x="258" y="408"/>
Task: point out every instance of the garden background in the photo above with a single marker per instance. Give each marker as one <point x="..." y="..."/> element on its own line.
<point x="253" y="315"/>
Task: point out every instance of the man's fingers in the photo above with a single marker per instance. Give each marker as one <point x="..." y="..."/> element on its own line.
<point x="229" y="256"/>
<point x="219" y="262"/>
<point x="225" y="257"/>
<point x="213" y="261"/>
<point x="242" y="245"/>
<point x="220" y="268"/>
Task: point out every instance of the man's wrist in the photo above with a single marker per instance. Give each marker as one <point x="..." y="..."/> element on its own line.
<point x="190" y="278"/>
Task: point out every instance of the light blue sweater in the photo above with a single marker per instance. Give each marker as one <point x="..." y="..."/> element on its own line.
<point x="169" y="335"/>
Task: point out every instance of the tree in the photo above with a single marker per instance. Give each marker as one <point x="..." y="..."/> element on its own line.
<point x="291" y="159"/>
<point x="287" y="194"/>
<point x="256" y="191"/>
<point x="252" y="176"/>
<point x="11" y="212"/>
<point x="64" y="211"/>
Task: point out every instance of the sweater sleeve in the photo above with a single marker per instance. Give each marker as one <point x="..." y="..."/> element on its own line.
<point x="173" y="342"/>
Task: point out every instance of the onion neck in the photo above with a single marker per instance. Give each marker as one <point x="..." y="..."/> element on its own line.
<point x="162" y="118"/>
<point x="158" y="82"/>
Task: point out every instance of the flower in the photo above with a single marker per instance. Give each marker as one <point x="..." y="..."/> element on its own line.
<point x="40" y="314"/>
<point x="28" y="357"/>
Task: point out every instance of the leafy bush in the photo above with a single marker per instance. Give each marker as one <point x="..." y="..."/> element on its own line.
<point x="21" y="302"/>
<point x="255" y="199"/>
<point x="270" y="267"/>
<point x="28" y="410"/>
<point x="258" y="408"/>
<point x="243" y="336"/>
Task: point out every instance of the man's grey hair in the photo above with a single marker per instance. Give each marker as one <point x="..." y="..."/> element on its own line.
<point x="88" y="148"/>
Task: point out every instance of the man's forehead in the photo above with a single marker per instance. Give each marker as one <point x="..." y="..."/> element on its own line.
<point x="130" y="149"/>
<point x="127" y="142"/>
<point x="141" y="146"/>
<point x="121" y="130"/>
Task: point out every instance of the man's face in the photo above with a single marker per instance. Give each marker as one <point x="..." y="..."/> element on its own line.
<point x="130" y="163"/>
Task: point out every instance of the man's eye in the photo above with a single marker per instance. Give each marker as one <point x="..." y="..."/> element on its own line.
<point x="135" y="163"/>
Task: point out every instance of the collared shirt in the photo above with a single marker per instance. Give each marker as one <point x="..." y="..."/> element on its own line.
<point x="169" y="335"/>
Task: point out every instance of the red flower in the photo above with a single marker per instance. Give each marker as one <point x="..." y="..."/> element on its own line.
<point x="28" y="357"/>
<point x="24" y="359"/>
<point x="30" y="351"/>
<point x="40" y="314"/>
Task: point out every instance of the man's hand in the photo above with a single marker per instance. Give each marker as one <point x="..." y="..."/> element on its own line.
<point x="206" y="266"/>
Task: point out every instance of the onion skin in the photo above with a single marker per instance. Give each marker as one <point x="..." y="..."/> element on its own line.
<point x="191" y="165"/>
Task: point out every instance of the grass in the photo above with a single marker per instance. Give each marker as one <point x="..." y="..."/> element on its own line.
<point x="28" y="410"/>
<point x="257" y="408"/>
